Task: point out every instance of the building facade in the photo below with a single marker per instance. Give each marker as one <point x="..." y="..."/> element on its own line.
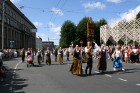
<point x="123" y="32"/>
<point x="38" y="43"/>
<point x="19" y="32"/>
<point x="49" y="44"/>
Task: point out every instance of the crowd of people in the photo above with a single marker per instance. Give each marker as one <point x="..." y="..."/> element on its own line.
<point x="118" y="54"/>
<point x="11" y="53"/>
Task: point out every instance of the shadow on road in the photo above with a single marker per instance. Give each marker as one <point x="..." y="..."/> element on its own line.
<point x="134" y="70"/>
<point x="13" y="83"/>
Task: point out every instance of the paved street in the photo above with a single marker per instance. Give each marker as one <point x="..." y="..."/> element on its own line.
<point x="57" y="79"/>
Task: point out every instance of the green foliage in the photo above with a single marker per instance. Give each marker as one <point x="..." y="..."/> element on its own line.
<point x="68" y="33"/>
<point x="71" y="33"/>
<point x="98" y="24"/>
<point x="81" y="31"/>
<point x="138" y="15"/>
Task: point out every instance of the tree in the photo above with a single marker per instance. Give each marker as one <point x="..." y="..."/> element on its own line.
<point x="81" y="31"/>
<point x="138" y="15"/>
<point x="98" y="24"/>
<point x="68" y="33"/>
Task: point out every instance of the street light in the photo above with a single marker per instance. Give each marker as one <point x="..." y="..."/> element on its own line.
<point x="3" y="10"/>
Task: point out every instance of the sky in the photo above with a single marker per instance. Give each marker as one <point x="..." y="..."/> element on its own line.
<point x="49" y="15"/>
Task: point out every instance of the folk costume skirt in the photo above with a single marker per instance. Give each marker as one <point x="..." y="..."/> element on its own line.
<point x="39" y="59"/>
<point x="48" y="60"/>
<point x="118" y="63"/>
<point x="76" y="67"/>
<point x="60" y="59"/>
<point x="102" y="65"/>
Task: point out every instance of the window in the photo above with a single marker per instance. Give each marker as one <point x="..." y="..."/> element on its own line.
<point x="15" y="24"/>
<point x="0" y="5"/>
<point x="8" y="20"/>
<point x="14" y="16"/>
<point x="5" y="8"/>
<point x="11" y="22"/>
<point x="5" y="19"/>
<point x="11" y="14"/>
<point x="0" y="16"/>
<point x="8" y="12"/>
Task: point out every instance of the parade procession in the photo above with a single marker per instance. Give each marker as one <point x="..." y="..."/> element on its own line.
<point x="69" y="46"/>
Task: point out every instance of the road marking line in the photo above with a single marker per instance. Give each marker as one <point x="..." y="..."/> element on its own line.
<point x="137" y="64"/>
<point x="17" y="66"/>
<point x="14" y="74"/>
<point x="138" y="84"/>
<point x="68" y="64"/>
<point x="122" y="79"/>
<point x="97" y="72"/>
<point x="108" y="75"/>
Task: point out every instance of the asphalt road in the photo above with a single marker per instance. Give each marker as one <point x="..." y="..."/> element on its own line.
<point x="56" y="78"/>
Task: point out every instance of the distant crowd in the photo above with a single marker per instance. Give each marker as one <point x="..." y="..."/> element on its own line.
<point x="118" y="54"/>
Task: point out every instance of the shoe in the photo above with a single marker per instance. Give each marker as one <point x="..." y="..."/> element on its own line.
<point x="123" y="69"/>
<point x="89" y="74"/>
<point x="114" y="69"/>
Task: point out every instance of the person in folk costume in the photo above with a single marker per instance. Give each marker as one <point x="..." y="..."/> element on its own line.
<point x="32" y="53"/>
<point x="55" y="54"/>
<point x="29" y="54"/>
<point x="139" y="54"/>
<point x="89" y="52"/>
<point x="48" y="56"/>
<point x="103" y="56"/>
<point x="39" y="56"/>
<point x="117" y="64"/>
<point x="60" y="53"/>
<point x="22" y="53"/>
<point x="1" y="57"/>
<point x="67" y="54"/>
<point x="126" y="54"/>
<point x="71" y="50"/>
<point x="135" y="53"/>
<point x="76" y="67"/>
<point x="43" y="54"/>
<point x="82" y="54"/>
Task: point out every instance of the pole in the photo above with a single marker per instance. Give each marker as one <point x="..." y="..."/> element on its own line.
<point x="3" y="10"/>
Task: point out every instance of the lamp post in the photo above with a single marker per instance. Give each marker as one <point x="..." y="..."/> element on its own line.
<point x="3" y="10"/>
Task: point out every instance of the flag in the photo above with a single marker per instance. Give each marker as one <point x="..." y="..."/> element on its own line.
<point x="21" y="7"/>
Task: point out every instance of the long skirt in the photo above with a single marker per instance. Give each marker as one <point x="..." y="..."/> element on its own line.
<point x="76" y="67"/>
<point x="48" y="60"/>
<point x="60" y="59"/>
<point x="118" y="63"/>
<point x="23" y="58"/>
<point x="102" y="65"/>
<point x="39" y="59"/>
